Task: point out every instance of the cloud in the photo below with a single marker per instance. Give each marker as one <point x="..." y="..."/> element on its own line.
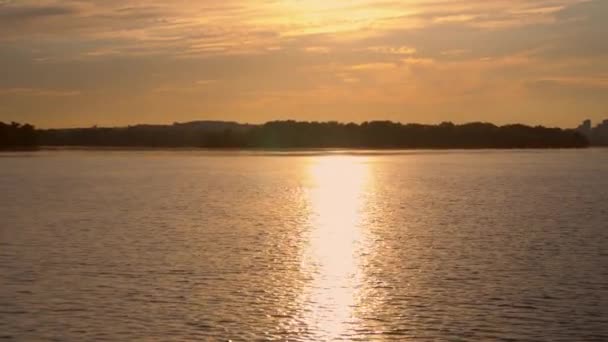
<point x="317" y="49"/>
<point x="10" y="13"/>
<point x="393" y="50"/>
<point x="194" y="87"/>
<point x="599" y="82"/>
<point x="238" y="26"/>
<point x="373" y="66"/>
<point x="418" y="56"/>
<point x="38" y="92"/>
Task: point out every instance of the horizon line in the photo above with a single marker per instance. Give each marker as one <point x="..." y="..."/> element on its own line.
<point x="296" y="121"/>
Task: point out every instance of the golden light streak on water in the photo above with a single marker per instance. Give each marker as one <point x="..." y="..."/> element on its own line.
<point x="333" y="255"/>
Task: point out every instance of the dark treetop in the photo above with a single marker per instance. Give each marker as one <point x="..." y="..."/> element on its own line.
<point x="17" y="136"/>
<point x="292" y="134"/>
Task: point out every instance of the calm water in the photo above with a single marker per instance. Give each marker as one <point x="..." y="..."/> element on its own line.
<point x="475" y="245"/>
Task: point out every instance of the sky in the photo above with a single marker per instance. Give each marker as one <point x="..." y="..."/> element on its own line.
<point x="77" y="63"/>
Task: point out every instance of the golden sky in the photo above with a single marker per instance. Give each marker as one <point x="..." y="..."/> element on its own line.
<point x="66" y="63"/>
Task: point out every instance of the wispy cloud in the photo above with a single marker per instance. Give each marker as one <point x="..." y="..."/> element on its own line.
<point x="424" y="58"/>
<point x="24" y="13"/>
<point x="38" y="92"/>
<point x="237" y="26"/>
<point x="575" y="82"/>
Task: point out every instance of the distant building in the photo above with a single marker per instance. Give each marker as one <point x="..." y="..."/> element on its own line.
<point x="600" y="134"/>
<point x="597" y="135"/>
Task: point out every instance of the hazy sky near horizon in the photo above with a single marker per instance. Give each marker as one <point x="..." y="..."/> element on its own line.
<point x="66" y="63"/>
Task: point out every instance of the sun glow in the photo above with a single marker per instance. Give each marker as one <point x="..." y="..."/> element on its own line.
<point x="336" y="242"/>
<point x="314" y="16"/>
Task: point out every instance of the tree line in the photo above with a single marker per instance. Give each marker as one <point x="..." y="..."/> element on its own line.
<point x="293" y="134"/>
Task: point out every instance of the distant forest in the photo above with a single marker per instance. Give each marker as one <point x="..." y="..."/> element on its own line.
<point x="15" y="135"/>
<point x="292" y="134"/>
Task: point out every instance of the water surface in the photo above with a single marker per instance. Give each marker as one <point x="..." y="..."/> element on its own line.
<point x="184" y="245"/>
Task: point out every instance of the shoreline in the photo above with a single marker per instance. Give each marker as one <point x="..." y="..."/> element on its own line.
<point x="287" y="151"/>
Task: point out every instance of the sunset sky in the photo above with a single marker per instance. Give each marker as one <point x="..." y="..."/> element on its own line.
<point x="117" y="62"/>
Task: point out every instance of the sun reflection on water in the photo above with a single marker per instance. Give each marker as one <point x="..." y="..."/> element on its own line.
<point x="332" y="258"/>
